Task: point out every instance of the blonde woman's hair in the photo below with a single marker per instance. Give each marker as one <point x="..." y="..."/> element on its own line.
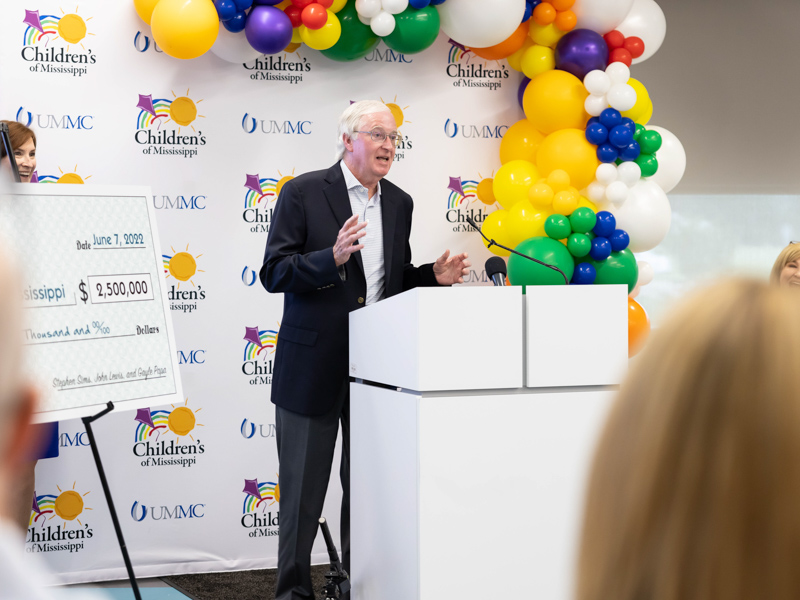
<point x="787" y="255"/>
<point x="694" y="492"/>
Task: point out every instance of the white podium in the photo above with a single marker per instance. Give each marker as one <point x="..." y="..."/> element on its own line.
<point x="474" y="416"/>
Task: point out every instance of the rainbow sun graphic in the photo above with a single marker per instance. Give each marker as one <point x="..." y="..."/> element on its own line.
<point x="268" y="187"/>
<point x="180" y="420"/>
<point x="70" y="177"/>
<point x="181" y="265"/>
<point x="257" y="494"/>
<point x="67" y="505"/>
<point x="181" y="110"/>
<point x="259" y="340"/>
<point x="397" y="112"/>
<point x="70" y="27"/>
<point x="457" y="52"/>
<point x="461" y="191"/>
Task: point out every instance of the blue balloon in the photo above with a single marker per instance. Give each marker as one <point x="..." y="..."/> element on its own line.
<point x="584" y="274"/>
<point x="535" y="3"/>
<point x="436" y="2"/>
<point x="243" y="4"/>
<point x="596" y="133"/>
<point x="630" y="152"/>
<point x="592" y="120"/>
<point x="268" y="29"/>
<point x="611" y="117"/>
<point x="621" y="136"/>
<point x="629" y="123"/>
<point x="266" y="2"/>
<point x="605" y="225"/>
<point x="237" y="23"/>
<point x="528" y="12"/>
<point x="619" y="240"/>
<point x="607" y="153"/>
<point x="521" y="90"/>
<point x="581" y="51"/>
<point x="419" y="4"/>
<point x="226" y="9"/>
<point x="601" y="248"/>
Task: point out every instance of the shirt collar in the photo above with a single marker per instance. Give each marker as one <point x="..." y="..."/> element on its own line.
<point x="351" y="181"/>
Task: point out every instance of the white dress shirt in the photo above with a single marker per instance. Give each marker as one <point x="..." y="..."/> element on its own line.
<point x="368" y="209"/>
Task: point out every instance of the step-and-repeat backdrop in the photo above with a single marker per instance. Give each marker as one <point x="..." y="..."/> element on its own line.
<point x="195" y="484"/>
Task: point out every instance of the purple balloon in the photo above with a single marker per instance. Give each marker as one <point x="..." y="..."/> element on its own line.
<point x="268" y="29"/>
<point x="521" y="91"/>
<point x="581" y="51"/>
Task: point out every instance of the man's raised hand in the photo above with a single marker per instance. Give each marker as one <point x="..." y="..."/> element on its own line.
<point x="350" y="232"/>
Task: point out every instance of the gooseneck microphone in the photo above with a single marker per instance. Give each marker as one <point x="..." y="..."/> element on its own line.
<point x="493" y="243"/>
<point x="496" y="270"/>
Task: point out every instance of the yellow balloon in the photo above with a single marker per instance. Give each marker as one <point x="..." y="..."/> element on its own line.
<point x="485" y="191"/>
<point x="185" y="28"/>
<point x="565" y="202"/>
<point x="495" y="227"/>
<point x="541" y="194"/>
<point x="586" y="203"/>
<point x="520" y="142"/>
<point x="144" y="8"/>
<point x="568" y="149"/>
<point x="642" y="101"/>
<point x="283" y="4"/>
<point x="644" y="119"/>
<point x="538" y="59"/>
<point x="526" y="221"/>
<point x="512" y="182"/>
<point x="545" y="35"/>
<point x="558" y="180"/>
<point x="515" y="60"/>
<point x="296" y="36"/>
<point x="554" y="100"/>
<point x="324" y="37"/>
<point x="337" y="5"/>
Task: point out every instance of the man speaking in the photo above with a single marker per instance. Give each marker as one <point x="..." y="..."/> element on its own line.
<point x="339" y="240"/>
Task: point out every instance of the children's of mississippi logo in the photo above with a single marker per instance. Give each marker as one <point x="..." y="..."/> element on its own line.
<point x="160" y="125"/>
<point x="257" y="361"/>
<point x="464" y="68"/>
<point x="56" y="522"/>
<point x="158" y="436"/>
<point x="257" y="507"/>
<point x="62" y="177"/>
<point x="468" y="198"/>
<point x="51" y="43"/>
<point x="404" y="142"/>
<point x="286" y="68"/>
<point x="260" y="194"/>
<point x="182" y="266"/>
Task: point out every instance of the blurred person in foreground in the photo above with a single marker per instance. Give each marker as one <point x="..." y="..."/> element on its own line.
<point x="786" y="270"/>
<point x="695" y="487"/>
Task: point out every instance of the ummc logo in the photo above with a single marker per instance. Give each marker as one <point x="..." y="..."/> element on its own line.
<point x="451" y="129"/>
<point x="26" y="117"/>
<point x="141" y="42"/>
<point x="389" y="56"/>
<point x="193" y="357"/>
<point x="248" y="430"/>
<point x="180" y="202"/>
<point x="249" y="276"/>
<point x="139" y="512"/>
<point x="81" y="438"/>
<point x="250" y="124"/>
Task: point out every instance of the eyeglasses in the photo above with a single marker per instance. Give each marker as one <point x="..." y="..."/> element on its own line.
<point x="379" y="135"/>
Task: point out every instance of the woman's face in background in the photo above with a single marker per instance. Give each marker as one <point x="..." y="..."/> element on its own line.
<point x="790" y="275"/>
<point x="25" y="156"/>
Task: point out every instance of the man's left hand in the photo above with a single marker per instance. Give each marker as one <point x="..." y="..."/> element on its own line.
<point x="451" y="269"/>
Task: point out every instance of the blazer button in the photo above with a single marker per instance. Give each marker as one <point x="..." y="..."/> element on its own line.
<point x="361" y="300"/>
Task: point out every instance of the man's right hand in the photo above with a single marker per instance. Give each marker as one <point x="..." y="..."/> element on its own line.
<point x="351" y="231"/>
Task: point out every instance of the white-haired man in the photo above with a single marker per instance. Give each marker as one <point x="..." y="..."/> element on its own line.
<point x="321" y="221"/>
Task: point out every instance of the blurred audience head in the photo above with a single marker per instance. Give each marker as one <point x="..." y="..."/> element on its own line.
<point x="695" y="487"/>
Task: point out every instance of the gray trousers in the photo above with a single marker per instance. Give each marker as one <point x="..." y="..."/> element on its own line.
<point x="305" y="452"/>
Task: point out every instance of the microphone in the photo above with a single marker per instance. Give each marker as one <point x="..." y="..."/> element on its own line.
<point x="491" y="243"/>
<point x="496" y="270"/>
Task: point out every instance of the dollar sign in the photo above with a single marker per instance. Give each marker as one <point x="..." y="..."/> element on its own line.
<point x="82" y="288"/>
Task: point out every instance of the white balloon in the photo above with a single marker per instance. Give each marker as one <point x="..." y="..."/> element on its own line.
<point x="645" y="272"/>
<point x="382" y="24"/>
<point x="645" y="20"/>
<point x="368" y="8"/>
<point x="635" y="291"/>
<point x="596" y="191"/>
<point x="594" y="105"/>
<point x="618" y="72"/>
<point x="671" y="160"/>
<point x="606" y="173"/>
<point x="364" y="20"/>
<point x="646" y="216"/>
<point x="599" y="15"/>
<point x="597" y="82"/>
<point x="629" y="172"/>
<point x="394" y="7"/>
<point x="480" y="23"/>
<point x="617" y="192"/>
<point x="621" y="96"/>
<point x="234" y="47"/>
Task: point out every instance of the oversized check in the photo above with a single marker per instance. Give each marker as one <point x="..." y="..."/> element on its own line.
<point x="97" y="325"/>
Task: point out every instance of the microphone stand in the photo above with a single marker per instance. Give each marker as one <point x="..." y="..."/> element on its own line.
<point x="5" y="141"/>
<point x="337" y="582"/>
<point x="493" y="243"/>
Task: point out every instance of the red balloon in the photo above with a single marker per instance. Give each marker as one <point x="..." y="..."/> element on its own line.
<point x="620" y="55"/>
<point x="614" y="39"/>
<point x="314" y="16"/>
<point x="301" y="4"/>
<point x="293" y="12"/>
<point x="325" y="3"/>
<point x="634" y="45"/>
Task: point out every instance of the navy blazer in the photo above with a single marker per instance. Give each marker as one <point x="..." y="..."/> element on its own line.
<point x="311" y="361"/>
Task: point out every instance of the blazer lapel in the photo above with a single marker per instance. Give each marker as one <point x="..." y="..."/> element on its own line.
<point x="339" y="200"/>
<point x="389" y="216"/>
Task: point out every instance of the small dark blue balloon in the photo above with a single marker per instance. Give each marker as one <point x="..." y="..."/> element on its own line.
<point x="243" y="4"/>
<point x="621" y="136"/>
<point x="584" y="274"/>
<point x="619" y="240"/>
<point x="629" y="123"/>
<point x="226" y="9"/>
<point x="237" y="23"/>
<point x="611" y="117"/>
<point x="607" y="153"/>
<point x="535" y="3"/>
<point x="592" y="120"/>
<point x="436" y="2"/>
<point x="419" y="4"/>
<point x="528" y="12"/>
<point x="601" y="248"/>
<point x="630" y="152"/>
<point x="605" y="225"/>
<point x="521" y="90"/>
<point x="596" y="133"/>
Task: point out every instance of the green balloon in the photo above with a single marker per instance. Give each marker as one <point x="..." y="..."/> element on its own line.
<point x="557" y="227"/>
<point x="579" y="244"/>
<point x="414" y="30"/>
<point x="650" y="142"/>
<point x="648" y="164"/>
<point x="639" y="131"/>
<point x="357" y="39"/>
<point x="582" y="220"/>
<point x="522" y="271"/>
<point x="620" y="267"/>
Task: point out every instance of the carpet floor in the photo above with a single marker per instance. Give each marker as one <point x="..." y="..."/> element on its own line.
<point x="238" y="585"/>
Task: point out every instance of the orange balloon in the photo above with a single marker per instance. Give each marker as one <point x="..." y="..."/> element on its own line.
<point x="507" y="47"/>
<point x="521" y="141"/>
<point x="561" y="5"/>
<point x="544" y="14"/>
<point x="638" y="327"/>
<point x="555" y="100"/>
<point x="566" y="20"/>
